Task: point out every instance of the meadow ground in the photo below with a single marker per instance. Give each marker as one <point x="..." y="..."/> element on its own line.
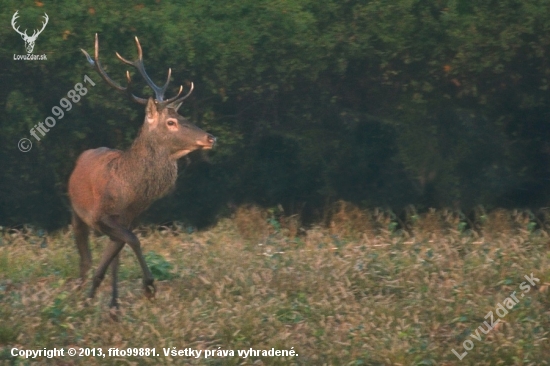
<point x="367" y="289"/>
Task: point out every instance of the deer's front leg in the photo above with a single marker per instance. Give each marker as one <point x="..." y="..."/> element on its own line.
<point x="121" y="234"/>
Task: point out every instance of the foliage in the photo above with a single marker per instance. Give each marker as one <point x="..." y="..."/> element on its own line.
<point x="160" y="267"/>
<point x="435" y="103"/>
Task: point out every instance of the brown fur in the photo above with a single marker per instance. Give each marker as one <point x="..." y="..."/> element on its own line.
<point x="109" y="188"/>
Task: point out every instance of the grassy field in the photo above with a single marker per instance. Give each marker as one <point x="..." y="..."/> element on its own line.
<point x="367" y="289"/>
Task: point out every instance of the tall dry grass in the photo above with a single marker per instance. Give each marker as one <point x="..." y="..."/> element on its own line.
<point x="371" y="288"/>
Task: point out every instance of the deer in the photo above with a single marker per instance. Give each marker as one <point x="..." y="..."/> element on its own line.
<point x="109" y="188"/>
<point x="29" y="40"/>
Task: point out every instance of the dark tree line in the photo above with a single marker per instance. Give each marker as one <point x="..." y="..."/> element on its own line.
<point x="433" y="103"/>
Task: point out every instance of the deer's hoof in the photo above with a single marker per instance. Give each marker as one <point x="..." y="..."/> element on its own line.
<point x="113" y="313"/>
<point x="114" y="304"/>
<point x="80" y="283"/>
<point x="150" y="289"/>
<point x="87" y="302"/>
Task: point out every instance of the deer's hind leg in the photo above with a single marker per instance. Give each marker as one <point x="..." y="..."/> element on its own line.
<point x="114" y="274"/>
<point x="81" y="233"/>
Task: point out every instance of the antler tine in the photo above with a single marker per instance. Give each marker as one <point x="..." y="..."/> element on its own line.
<point x="129" y="90"/>
<point x="176" y="102"/>
<point x="97" y="66"/>
<point x="167" y="80"/>
<point x="168" y="101"/>
<point x="138" y="64"/>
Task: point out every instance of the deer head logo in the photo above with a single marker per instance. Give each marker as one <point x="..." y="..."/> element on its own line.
<point x="29" y="40"/>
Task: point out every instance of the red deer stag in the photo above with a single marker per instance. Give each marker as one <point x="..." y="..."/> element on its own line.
<point x="109" y="188"/>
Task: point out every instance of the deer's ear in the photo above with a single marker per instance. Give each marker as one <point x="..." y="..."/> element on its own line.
<point x="151" y="114"/>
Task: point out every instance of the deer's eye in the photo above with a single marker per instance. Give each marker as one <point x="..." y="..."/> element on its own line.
<point x="171" y="123"/>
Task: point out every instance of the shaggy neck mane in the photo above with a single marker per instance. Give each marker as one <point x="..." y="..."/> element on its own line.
<point x="147" y="167"/>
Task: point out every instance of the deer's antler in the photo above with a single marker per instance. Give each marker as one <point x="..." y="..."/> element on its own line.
<point x="173" y="102"/>
<point x="97" y="66"/>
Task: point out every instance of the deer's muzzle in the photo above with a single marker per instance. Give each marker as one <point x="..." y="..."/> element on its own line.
<point x="208" y="143"/>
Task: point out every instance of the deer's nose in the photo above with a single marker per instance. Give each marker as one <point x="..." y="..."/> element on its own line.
<point x="211" y="139"/>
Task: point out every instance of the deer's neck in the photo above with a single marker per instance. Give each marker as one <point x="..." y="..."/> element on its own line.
<point x="148" y="169"/>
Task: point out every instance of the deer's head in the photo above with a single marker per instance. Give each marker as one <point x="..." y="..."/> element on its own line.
<point x="29" y="40"/>
<point x="163" y="125"/>
<point x="174" y="132"/>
